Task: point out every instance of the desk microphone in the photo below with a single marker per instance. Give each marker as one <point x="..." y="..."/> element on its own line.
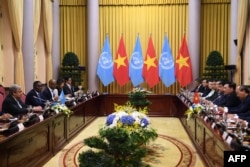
<point x="40" y="99"/>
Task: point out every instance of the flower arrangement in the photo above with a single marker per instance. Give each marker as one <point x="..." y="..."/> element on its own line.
<point x="137" y="97"/>
<point x="121" y="141"/>
<point x="62" y="108"/>
<point x="194" y="109"/>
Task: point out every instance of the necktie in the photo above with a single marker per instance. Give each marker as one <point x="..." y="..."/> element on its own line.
<point x="39" y="97"/>
<point x="20" y="106"/>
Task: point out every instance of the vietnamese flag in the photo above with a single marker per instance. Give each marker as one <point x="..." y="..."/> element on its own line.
<point x="121" y="64"/>
<point x="150" y="67"/>
<point x="183" y="68"/>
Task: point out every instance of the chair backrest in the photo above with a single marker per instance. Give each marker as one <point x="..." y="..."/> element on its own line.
<point x="2" y="91"/>
<point x="1" y="101"/>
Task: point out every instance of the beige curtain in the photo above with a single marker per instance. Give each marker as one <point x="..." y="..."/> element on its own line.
<point x="73" y="32"/>
<point x="47" y="16"/>
<point x="36" y="13"/>
<point x="215" y="30"/>
<point x="246" y="58"/>
<point x="16" y="20"/>
<point x="1" y="57"/>
<point x="242" y="20"/>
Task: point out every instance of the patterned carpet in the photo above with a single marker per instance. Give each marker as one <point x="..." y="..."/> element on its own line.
<point x="173" y="147"/>
<point x="165" y="150"/>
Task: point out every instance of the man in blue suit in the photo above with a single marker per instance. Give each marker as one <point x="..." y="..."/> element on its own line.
<point x="34" y="96"/>
<point x="48" y="92"/>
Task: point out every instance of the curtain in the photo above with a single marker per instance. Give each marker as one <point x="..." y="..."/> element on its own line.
<point x="36" y="13"/>
<point x="16" y="20"/>
<point x="215" y="30"/>
<point x="47" y="16"/>
<point x="246" y="58"/>
<point x="241" y="30"/>
<point x="143" y="18"/>
<point x="1" y="58"/>
<point x="73" y="31"/>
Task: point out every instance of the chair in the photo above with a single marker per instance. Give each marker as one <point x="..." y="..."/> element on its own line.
<point x="1" y="101"/>
<point x="2" y="91"/>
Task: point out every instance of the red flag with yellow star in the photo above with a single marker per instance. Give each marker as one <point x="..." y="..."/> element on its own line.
<point x="150" y="67"/>
<point x="183" y="68"/>
<point x="121" y="64"/>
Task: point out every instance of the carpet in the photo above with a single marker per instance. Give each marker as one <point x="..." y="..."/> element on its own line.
<point x="164" y="151"/>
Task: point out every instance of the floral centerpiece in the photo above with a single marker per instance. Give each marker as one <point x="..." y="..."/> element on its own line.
<point x="137" y="98"/>
<point x="61" y="108"/>
<point x="193" y="110"/>
<point x="121" y="141"/>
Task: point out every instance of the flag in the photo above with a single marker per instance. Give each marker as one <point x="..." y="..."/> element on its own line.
<point x="150" y="67"/>
<point x="62" y="98"/>
<point x="183" y="68"/>
<point x="105" y="64"/>
<point x="121" y="64"/>
<point x="166" y="64"/>
<point x="136" y="64"/>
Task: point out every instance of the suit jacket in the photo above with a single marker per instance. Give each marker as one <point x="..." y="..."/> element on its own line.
<point x="206" y="91"/>
<point x="67" y="90"/>
<point x="232" y="100"/>
<point x="31" y="100"/>
<point x="198" y="88"/>
<point x="10" y="105"/>
<point x="213" y="97"/>
<point x="220" y="100"/>
<point x="242" y="108"/>
<point x="46" y="94"/>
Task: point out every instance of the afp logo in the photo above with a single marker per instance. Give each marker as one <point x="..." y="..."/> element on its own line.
<point x="236" y="158"/>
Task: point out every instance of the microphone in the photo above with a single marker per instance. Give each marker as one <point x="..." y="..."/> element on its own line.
<point x="40" y="99"/>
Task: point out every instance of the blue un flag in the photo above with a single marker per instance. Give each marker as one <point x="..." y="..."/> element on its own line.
<point x="105" y="64"/>
<point x="62" y="98"/>
<point x="136" y="64"/>
<point x="166" y="64"/>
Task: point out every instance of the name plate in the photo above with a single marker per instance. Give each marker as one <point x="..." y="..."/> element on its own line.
<point x="213" y="125"/>
<point x="224" y="136"/>
<point x="56" y="111"/>
<point x="205" y="118"/>
<point x="41" y="118"/>
<point x="20" y="126"/>
<point x="229" y="140"/>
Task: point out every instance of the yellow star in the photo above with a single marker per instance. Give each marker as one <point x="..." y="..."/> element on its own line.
<point x="120" y="61"/>
<point x="182" y="61"/>
<point x="150" y="62"/>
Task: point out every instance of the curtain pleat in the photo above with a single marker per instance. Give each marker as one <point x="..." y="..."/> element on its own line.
<point x="37" y="14"/>
<point x="241" y="31"/>
<point x="47" y="13"/>
<point x="16" y="21"/>
<point x="246" y="57"/>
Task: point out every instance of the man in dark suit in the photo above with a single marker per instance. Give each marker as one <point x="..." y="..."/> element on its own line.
<point x="68" y="88"/>
<point x="198" y="85"/>
<point x="13" y="104"/>
<point x="231" y="97"/>
<point x="48" y="93"/>
<point x="244" y="106"/>
<point x="34" y="96"/>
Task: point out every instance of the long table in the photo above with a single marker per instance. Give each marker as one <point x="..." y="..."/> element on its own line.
<point x="36" y="144"/>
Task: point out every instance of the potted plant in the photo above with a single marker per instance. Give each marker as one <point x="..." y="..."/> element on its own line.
<point x="70" y="67"/>
<point x="215" y="68"/>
